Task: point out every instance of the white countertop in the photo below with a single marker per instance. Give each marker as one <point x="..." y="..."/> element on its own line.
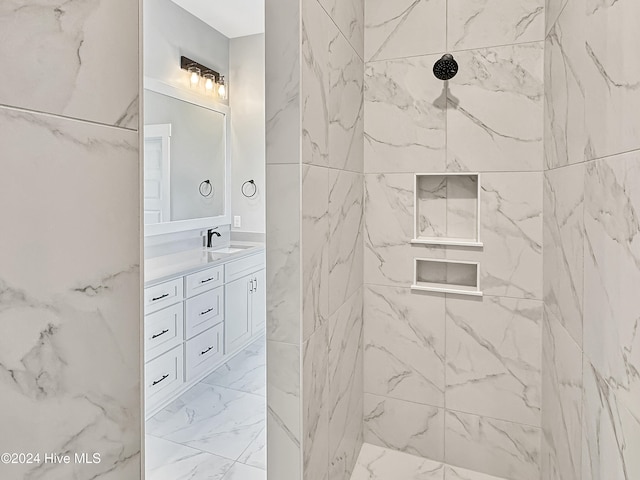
<point x="159" y="269"/>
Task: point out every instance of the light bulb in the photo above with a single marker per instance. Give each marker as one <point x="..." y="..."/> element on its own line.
<point x="222" y="91"/>
<point x="209" y="81"/>
<point x="194" y="76"/>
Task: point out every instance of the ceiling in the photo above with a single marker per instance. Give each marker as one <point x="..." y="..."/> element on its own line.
<point x="232" y="18"/>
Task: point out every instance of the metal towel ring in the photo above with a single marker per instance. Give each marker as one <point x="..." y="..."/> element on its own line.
<point x="202" y="186"/>
<point x="252" y="189"/>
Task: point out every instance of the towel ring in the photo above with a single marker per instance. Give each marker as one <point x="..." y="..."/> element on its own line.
<point x="252" y="189"/>
<point x="203" y="188"/>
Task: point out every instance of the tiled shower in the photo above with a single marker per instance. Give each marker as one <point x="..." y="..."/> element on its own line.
<point x="460" y="289"/>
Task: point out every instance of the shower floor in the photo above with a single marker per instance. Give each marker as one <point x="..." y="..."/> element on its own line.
<point x="377" y="463"/>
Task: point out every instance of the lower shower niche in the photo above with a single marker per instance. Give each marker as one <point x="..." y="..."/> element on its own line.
<point x="447" y="209"/>
<point x="447" y="276"/>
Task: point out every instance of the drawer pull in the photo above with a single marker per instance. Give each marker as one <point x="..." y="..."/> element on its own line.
<point x="160" y="297"/>
<point x="159" y="334"/>
<point x="207" y="280"/>
<point x="206" y="311"/>
<point x="164" y="377"/>
<point x="207" y="350"/>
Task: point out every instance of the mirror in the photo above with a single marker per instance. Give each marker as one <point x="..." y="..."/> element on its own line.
<point x="185" y="162"/>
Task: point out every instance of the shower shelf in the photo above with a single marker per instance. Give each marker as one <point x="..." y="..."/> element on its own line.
<point x="446" y="276"/>
<point x="447" y="209"/>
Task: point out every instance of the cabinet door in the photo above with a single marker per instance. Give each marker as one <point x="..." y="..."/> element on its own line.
<point x="237" y="322"/>
<point x="258" y="303"/>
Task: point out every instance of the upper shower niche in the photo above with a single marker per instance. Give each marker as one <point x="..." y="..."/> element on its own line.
<point x="447" y="209"/>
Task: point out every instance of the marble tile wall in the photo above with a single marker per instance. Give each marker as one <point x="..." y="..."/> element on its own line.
<point x="315" y="218"/>
<point x="591" y="206"/>
<point x="70" y="282"/>
<point x="447" y="377"/>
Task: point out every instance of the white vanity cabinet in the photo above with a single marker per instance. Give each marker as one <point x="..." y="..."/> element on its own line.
<point x="196" y="321"/>
<point x="244" y="301"/>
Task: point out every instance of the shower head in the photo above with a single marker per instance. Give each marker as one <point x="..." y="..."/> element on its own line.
<point x="446" y="68"/>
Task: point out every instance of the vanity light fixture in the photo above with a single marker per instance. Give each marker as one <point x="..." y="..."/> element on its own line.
<point x="200" y="75"/>
<point x="222" y="89"/>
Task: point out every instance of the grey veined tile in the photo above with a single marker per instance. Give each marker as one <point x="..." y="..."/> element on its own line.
<point x="377" y="463"/>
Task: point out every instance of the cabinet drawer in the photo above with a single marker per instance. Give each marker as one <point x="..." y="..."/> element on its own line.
<point x="165" y="373"/>
<point x="204" y="311"/>
<point x="206" y="280"/>
<point x="244" y="266"/>
<point x="163" y="295"/>
<point x="204" y="351"/>
<point x="163" y="330"/>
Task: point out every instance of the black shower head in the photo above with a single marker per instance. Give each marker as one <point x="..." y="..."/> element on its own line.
<point x="446" y="68"/>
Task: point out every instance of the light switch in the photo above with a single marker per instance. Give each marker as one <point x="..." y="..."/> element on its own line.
<point x="237" y="221"/>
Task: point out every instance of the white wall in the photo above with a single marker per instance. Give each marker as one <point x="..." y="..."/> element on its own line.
<point x="247" y="98"/>
<point x="169" y="32"/>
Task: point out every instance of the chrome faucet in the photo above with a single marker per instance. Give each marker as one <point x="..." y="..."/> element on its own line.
<point x="210" y="235"/>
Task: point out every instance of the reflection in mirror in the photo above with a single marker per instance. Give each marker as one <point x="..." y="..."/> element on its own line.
<point x="184" y="160"/>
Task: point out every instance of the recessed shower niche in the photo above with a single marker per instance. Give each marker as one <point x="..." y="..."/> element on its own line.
<point x="447" y="209"/>
<point x="447" y="276"/>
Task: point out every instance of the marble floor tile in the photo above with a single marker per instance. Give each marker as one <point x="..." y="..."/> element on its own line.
<point x="245" y="372"/>
<point x="377" y="463"/>
<point x="167" y="460"/>
<point x="240" y="471"/>
<point x="219" y="421"/>
<point x="256" y="453"/>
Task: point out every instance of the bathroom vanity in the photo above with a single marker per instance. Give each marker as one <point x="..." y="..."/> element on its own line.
<point x="202" y="306"/>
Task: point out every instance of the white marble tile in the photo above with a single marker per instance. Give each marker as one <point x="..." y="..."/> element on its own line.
<point x="345" y="386"/>
<point x="348" y="15"/>
<point x="405" y="116"/>
<point x="256" y="453"/>
<point x="404" y="28"/>
<point x="346" y="223"/>
<point x="404" y="344"/>
<point x="245" y="372"/>
<point x="65" y="59"/>
<point x="561" y="403"/>
<point x="219" y="421"/>
<point x="404" y="426"/>
<point x="283" y="404"/>
<point x="457" y="473"/>
<point x="495" y="109"/>
<point x="282" y="82"/>
<point x="512" y="234"/>
<point x="487" y="23"/>
<point x="612" y="275"/>
<point x="377" y="463"/>
<point x="389" y="228"/>
<point x="564" y="246"/>
<point x="283" y="213"/>
<point x="565" y="135"/>
<point x="494" y="358"/>
<point x="315" y="248"/>
<point x="495" y="447"/>
<point x="612" y="77"/>
<point x="315" y="406"/>
<point x="240" y="471"/>
<point x="552" y="11"/>
<point x="165" y="460"/>
<point x="69" y="316"/>
<point x="346" y="106"/>
<point x="317" y="32"/>
<point x="611" y="433"/>
<point x="283" y="455"/>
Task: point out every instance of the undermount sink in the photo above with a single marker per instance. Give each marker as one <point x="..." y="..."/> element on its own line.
<point x="230" y="249"/>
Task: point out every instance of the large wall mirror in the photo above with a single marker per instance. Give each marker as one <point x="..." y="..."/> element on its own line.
<point x="186" y="160"/>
